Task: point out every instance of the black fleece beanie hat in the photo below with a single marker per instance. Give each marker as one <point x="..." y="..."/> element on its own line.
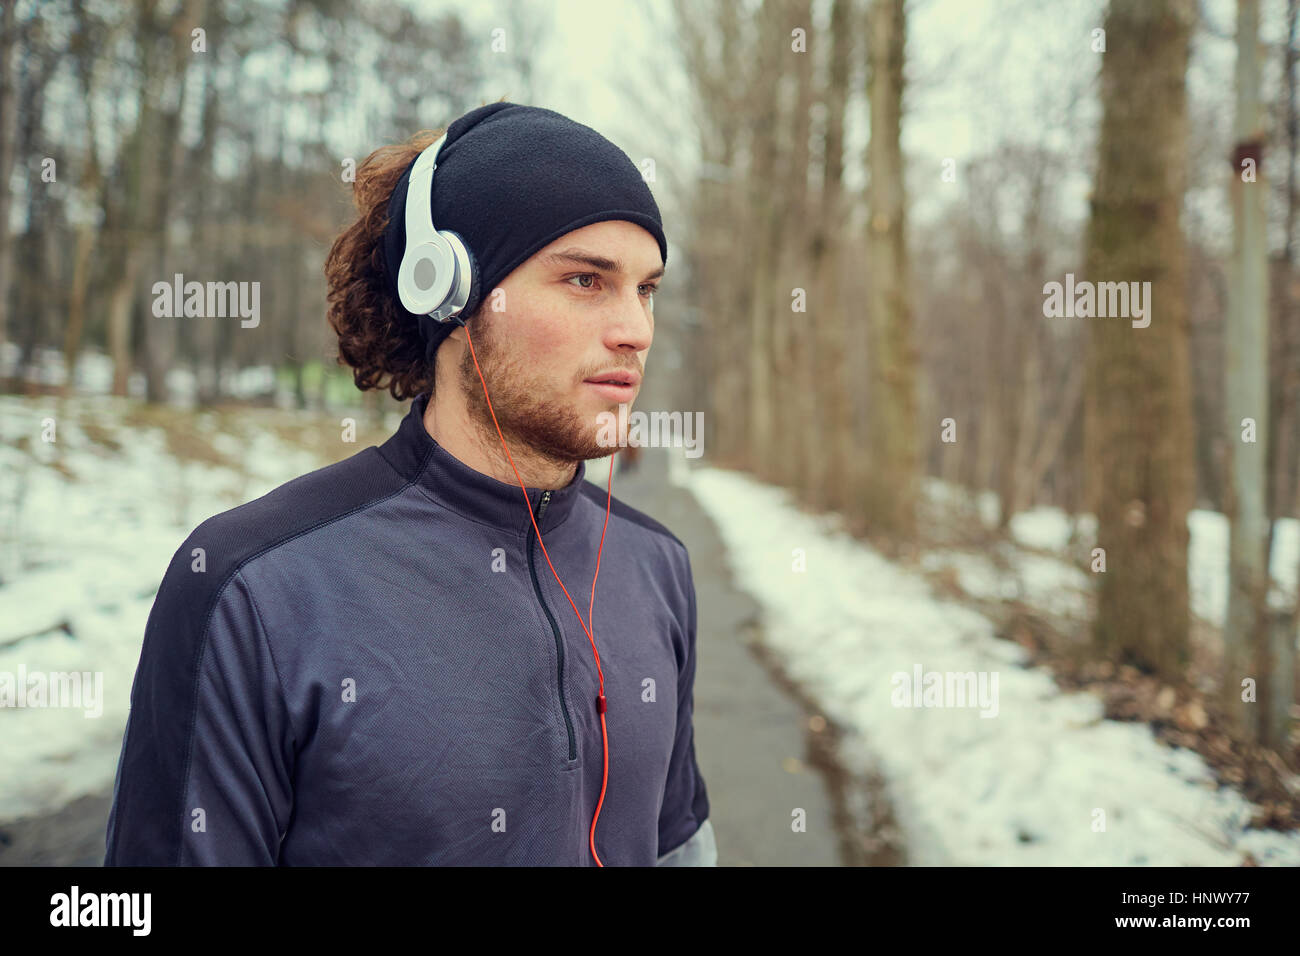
<point x="511" y="180"/>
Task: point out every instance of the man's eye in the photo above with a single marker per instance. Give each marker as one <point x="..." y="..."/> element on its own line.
<point x="648" y="288"/>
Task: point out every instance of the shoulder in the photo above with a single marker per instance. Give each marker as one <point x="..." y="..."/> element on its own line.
<point x="659" y="552"/>
<point x="225" y="542"/>
<point x="622" y="510"/>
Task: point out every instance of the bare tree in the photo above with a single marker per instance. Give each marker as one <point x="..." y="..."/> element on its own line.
<point x="831" y="426"/>
<point x="1246" y="391"/>
<point x="1137" y="434"/>
<point x="766" y="300"/>
<point x="892" y="468"/>
<point x="8" y="123"/>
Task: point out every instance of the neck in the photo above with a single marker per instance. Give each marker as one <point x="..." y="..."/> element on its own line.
<point x="448" y="422"/>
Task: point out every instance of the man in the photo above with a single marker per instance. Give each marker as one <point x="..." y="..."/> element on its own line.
<point x="377" y="663"/>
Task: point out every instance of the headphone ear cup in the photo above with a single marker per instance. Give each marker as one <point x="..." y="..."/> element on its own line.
<point x="469" y="279"/>
<point x="474" y="289"/>
<point x="421" y="281"/>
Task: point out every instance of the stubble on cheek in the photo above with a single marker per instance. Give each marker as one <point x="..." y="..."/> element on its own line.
<point x="554" y="430"/>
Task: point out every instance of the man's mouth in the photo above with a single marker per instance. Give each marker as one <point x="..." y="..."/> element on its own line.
<point x="617" y="391"/>
<point x="619" y="385"/>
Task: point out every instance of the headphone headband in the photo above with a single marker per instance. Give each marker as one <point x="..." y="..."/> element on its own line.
<point x="436" y="273"/>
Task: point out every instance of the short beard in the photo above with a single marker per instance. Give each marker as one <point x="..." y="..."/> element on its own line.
<point x="528" y="422"/>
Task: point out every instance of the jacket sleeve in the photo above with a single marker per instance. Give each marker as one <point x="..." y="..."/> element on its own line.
<point x="206" y="768"/>
<point x="685" y="834"/>
<point x="700" y="850"/>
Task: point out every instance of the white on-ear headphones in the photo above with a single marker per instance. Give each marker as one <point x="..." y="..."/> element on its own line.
<point x="437" y="271"/>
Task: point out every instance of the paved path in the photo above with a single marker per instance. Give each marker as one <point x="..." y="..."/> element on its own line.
<point x="753" y="742"/>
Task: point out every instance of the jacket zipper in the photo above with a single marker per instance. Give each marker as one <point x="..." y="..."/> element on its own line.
<point x="555" y="628"/>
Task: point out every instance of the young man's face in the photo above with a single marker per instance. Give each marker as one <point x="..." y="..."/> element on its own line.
<point x="565" y="323"/>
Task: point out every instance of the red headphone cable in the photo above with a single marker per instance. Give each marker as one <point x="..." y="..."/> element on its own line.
<point x="600" y="699"/>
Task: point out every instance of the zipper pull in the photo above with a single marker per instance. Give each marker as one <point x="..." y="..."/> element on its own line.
<point x="541" y="506"/>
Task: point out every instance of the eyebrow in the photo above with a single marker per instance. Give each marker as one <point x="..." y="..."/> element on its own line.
<point x="595" y="261"/>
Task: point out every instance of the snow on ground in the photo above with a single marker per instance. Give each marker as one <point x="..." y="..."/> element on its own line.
<point x="1207" y="558"/>
<point x="1051" y="584"/>
<point x="1056" y="584"/>
<point x="87" y="553"/>
<point x="1027" y="785"/>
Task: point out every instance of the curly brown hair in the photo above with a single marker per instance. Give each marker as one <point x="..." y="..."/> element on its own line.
<point x="383" y="349"/>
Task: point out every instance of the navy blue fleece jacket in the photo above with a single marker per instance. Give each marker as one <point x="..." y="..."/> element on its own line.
<point x="373" y="664"/>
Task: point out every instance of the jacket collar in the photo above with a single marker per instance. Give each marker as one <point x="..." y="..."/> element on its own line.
<point x="470" y="493"/>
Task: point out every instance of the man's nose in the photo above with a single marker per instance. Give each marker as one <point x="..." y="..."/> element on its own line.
<point x="632" y="325"/>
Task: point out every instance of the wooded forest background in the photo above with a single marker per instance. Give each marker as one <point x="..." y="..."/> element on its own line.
<point x="838" y="348"/>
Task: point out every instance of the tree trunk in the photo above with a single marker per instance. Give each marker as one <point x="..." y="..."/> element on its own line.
<point x="142" y="147"/>
<point x="890" y="485"/>
<point x="8" y="126"/>
<point x="1246" y="394"/>
<point x="794" y="408"/>
<point x="770" y="57"/>
<point x="120" y="302"/>
<point x="1289" y="301"/>
<point x="1137" y="429"/>
<point x="831" y="426"/>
